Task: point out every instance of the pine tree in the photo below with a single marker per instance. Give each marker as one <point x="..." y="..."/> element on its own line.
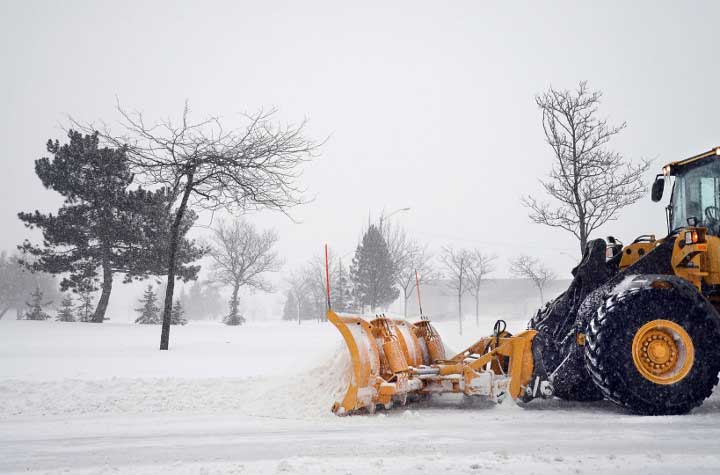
<point x="202" y="302"/>
<point x="105" y="225"/>
<point x="341" y="294"/>
<point x="290" y="309"/>
<point x="35" y="311"/>
<point x="15" y="282"/>
<point x="85" y="310"/>
<point x="372" y="272"/>
<point x="177" y="316"/>
<point x="66" y="312"/>
<point x="149" y="312"/>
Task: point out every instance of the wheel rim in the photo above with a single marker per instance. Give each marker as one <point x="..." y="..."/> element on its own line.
<point x="663" y="352"/>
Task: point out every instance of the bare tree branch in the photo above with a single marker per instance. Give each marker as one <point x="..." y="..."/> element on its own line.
<point x="408" y="257"/>
<point x="526" y="267"/>
<point x="457" y="263"/>
<point x="480" y="266"/>
<point x="210" y="167"/>
<point x="590" y="183"/>
<point x="241" y="255"/>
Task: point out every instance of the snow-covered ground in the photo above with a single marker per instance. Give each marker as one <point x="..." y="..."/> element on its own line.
<point x="87" y="398"/>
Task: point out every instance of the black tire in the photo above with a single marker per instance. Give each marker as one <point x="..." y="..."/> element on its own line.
<point x="608" y="349"/>
<point x="579" y="386"/>
<point x="575" y="384"/>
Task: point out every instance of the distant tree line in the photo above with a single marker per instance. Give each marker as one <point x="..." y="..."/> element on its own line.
<point x="388" y="264"/>
<point x="17" y="283"/>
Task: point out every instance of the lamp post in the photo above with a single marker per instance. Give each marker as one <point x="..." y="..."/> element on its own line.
<point x="383" y="217"/>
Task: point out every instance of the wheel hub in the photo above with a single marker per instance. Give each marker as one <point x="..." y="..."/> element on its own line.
<point x="663" y="352"/>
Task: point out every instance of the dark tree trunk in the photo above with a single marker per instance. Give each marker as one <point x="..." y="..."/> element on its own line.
<point x="174" y="238"/>
<point x="99" y="315"/>
<point x="235" y="305"/>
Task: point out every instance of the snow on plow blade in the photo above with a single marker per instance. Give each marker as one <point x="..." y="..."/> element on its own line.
<point x="382" y="353"/>
<point x="392" y="359"/>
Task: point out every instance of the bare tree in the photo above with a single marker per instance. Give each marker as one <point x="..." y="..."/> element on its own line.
<point x="457" y="263"/>
<point x="398" y="243"/>
<point x="314" y="285"/>
<point x="241" y="255"/>
<point x="297" y="286"/>
<point x="527" y="267"/>
<point x="210" y="167"/>
<point x="408" y="256"/>
<point x="480" y="266"/>
<point x="590" y="183"/>
<point x="416" y="259"/>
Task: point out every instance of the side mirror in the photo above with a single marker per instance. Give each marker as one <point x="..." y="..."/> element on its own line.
<point x="657" y="188"/>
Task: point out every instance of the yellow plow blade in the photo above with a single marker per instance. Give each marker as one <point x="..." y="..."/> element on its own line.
<point x="365" y="362"/>
<point x="386" y="357"/>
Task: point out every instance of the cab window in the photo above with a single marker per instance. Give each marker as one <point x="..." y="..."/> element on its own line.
<point x="696" y="194"/>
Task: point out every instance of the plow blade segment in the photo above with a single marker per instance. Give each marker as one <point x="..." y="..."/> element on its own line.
<point x="409" y="342"/>
<point x="365" y="363"/>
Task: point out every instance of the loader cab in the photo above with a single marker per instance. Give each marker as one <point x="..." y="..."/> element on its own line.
<point x="695" y="199"/>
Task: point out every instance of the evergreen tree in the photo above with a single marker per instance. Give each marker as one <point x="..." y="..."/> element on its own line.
<point x="17" y="283"/>
<point x="149" y="311"/>
<point x="35" y="307"/>
<point x="177" y="316"/>
<point x="290" y="309"/>
<point x="67" y="311"/>
<point x="234" y="318"/>
<point x="103" y="227"/>
<point x="85" y="309"/>
<point x="202" y="302"/>
<point x="372" y="272"/>
<point x="341" y="294"/>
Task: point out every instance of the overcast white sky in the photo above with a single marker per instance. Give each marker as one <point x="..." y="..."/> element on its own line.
<point x="428" y="105"/>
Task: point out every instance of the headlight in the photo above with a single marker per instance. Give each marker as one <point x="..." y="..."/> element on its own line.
<point x="693" y="237"/>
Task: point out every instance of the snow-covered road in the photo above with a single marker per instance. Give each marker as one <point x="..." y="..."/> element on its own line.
<point x="546" y="438"/>
<point x="263" y="407"/>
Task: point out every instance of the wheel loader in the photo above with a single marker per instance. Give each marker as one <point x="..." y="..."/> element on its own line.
<point x="638" y="325"/>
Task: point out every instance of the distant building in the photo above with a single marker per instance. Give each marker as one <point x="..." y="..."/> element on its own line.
<point x="500" y="298"/>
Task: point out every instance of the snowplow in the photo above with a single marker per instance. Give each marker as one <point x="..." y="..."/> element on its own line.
<point x="638" y="325"/>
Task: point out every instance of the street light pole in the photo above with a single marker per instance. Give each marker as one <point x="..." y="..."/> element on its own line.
<point x="383" y="217"/>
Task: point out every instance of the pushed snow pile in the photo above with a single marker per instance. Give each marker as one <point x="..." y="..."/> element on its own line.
<point x="305" y="394"/>
<point x="271" y="369"/>
<point x="308" y="393"/>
